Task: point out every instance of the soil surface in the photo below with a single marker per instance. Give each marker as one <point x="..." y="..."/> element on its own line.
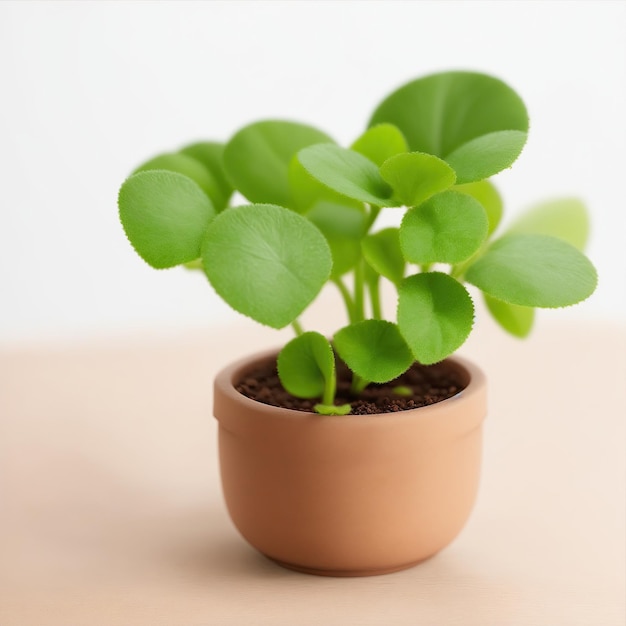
<point x="427" y="384"/>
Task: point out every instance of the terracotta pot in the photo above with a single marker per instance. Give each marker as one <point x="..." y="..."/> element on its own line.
<point x="349" y="495"/>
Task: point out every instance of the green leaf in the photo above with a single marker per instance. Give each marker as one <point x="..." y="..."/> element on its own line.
<point x="343" y="226"/>
<point x="305" y="365"/>
<point x="380" y="142"/>
<point x="266" y="262"/>
<point x="565" y="218"/>
<point x="448" y="228"/>
<point x="440" y="113"/>
<point x="346" y="172"/>
<point x="308" y="191"/>
<point x="517" y="320"/>
<point x="383" y="253"/>
<point x="415" y="176"/>
<point x="533" y="270"/>
<point x="187" y="166"/>
<point x="165" y="216"/>
<point x="485" y="192"/>
<point x="373" y="350"/>
<point x="332" y="409"/>
<point x="485" y="156"/>
<point x="435" y="315"/>
<point x="210" y="154"/>
<point x="257" y="158"/>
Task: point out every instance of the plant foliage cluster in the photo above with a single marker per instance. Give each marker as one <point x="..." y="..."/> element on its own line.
<point x="429" y="150"/>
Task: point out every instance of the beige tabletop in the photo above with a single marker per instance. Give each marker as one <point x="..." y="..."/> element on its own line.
<point x="111" y="511"/>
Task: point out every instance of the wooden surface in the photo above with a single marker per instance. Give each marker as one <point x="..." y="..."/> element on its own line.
<point x="111" y="512"/>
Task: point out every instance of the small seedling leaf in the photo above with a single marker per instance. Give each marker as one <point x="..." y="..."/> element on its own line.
<point x="266" y="262"/>
<point x="383" y="254"/>
<point x="333" y="409"/>
<point x="343" y="226"/>
<point x="487" y="155"/>
<point x="516" y="320"/>
<point x="211" y="155"/>
<point x="380" y="142"/>
<point x="346" y="172"/>
<point x="565" y="218"/>
<point x="435" y="315"/>
<point x="257" y="159"/>
<point x="374" y="350"/>
<point x="485" y="192"/>
<point x="448" y="228"/>
<point x="305" y="364"/>
<point x="165" y="216"/>
<point x="534" y="271"/>
<point x="415" y="176"/>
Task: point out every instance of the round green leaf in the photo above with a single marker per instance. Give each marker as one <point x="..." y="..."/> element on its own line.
<point x="485" y="192"/>
<point x="533" y="270"/>
<point x="374" y="350"/>
<point x="346" y="172"/>
<point x="448" y="228"/>
<point x="440" y="113"/>
<point x="266" y="262"/>
<point x="188" y="166"/>
<point x="305" y="364"/>
<point x="211" y="154"/>
<point x="383" y="253"/>
<point x="415" y="176"/>
<point x="516" y="320"/>
<point x="308" y="191"/>
<point x="485" y="156"/>
<point x="343" y="226"/>
<point x="165" y="216"/>
<point x="565" y="218"/>
<point x="435" y="315"/>
<point x="257" y="158"/>
<point x="380" y="142"/>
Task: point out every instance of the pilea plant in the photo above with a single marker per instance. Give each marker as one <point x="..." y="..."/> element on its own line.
<point x="429" y="150"/>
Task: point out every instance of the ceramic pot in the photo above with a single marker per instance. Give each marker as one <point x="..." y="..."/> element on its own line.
<point x="349" y="495"/>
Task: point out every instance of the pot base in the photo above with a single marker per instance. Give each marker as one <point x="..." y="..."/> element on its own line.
<point x="352" y="495"/>
<point x="349" y="573"/>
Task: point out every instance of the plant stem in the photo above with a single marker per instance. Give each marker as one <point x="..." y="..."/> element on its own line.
<point x="358" y="384"/>
<point x="329" y="389"/>
<point x="458" y="271"/>
<point x="359" y="285"/>
<point x="371" y="218"/>
<point x="347" y="298"/>
<point x="374" y="288"/>
<point x="297" y="327"/>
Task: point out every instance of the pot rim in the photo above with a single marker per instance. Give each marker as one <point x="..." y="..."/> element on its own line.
<point x="224" y="383"/>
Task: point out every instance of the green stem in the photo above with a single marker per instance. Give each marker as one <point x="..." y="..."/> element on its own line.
<point x="374" y="289"/>
<point x="371" y="218"/>
<point x="329" y="389"/>
<point x="347" y="298"/>
<point x="297" y="327"/>
<point x="458" y="271"/>
<point x="358" y="384"/>
<point x="359" y="288"/>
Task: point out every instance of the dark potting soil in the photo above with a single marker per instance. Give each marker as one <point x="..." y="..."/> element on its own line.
<point x="428" y="384"/>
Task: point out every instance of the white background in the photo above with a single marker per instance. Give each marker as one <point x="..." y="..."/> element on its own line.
<point x="90" y="89"/>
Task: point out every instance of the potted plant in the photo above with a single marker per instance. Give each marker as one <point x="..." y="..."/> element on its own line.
<point x="359" y="454"/>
